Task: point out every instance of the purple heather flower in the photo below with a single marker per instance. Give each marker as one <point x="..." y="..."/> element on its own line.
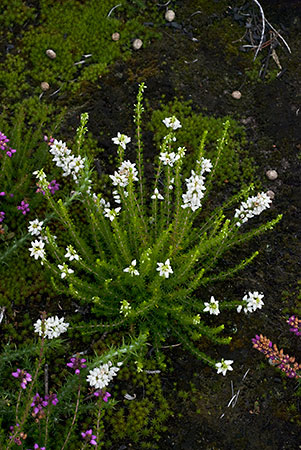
<point x="25" y="377"/>
<point x="77" y="364"/>
<point x="38" y="404"/>
<point x="2" y="194"/>
<point x="53" y="186"/>
<point x="36" y="447"/>
<point x="51" y="398"/>
<point x="24" y="207"/>
<point x="89" y="437"/>
<point x="295" y="323"/>
<point x="2" y="216"/>
<point x="105" y="395"/>
<point x="3" y="145"/>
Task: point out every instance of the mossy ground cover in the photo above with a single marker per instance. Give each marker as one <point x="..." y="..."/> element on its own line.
<point x="107" y="91"/>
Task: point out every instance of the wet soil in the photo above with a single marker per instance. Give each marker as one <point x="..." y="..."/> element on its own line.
<point x="267" y="414"/>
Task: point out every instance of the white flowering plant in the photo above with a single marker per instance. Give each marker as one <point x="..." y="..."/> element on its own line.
<point x="140" y="262"/>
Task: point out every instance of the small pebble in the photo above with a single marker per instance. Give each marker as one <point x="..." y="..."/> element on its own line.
<point x="272" y="175"/>
<point x="137" y="44"/>
<point x="271" y="194"/>
<point x="236" y="95"/>
<point x="115" y="37"/>
<point x="51" y="53"/>
<point x="45" y="86"/>
<point x="170" y="15"/>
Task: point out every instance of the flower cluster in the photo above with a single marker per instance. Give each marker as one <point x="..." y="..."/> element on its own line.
<point x="3" y="145"/>
<point x="195" y="186"/>
<point x="252" y="207"/>
<point x="77" y="363"/>
<point x="105" y="395"/>
<point x="37" y="249"/>
<point x="65" y="271"/>
<point x="52" y="327"/>
<point x="169" y="159"/>
<point x="172" y="122"/>
<point x="24" y="376"/>
<point x="126" y="171"/>
<point x="70" y="164"/>
<point x="2" y="216"/>
<point x="286" y="363"/>
<point x="295" y="323"/>
<point x="35" y="227"/>
<point x="101" y="376"/>
<point x="164" y="269"/>
<point x="122" y="140"/>
<point x="252" y="301"/>
<point x="24" y="207"/>
<point x="125" y="308"/>
<point x="89" y="437"/>
<point x="71" y="253"/>
<point x="39" y="403"/>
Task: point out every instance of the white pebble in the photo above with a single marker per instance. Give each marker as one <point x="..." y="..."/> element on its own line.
<point x="137" y="44"/>
<point x="45" y="86"/>
<point x="115" y="37"/>
<point x="170" y="15"/>
<point x="236" y="95"/>
<point x="51" y="53"/>
<point x="272" y="175"/>
<point x="271" y="194"/>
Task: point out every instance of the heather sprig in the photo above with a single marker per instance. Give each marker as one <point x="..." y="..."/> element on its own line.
<point x="142" y="260"/>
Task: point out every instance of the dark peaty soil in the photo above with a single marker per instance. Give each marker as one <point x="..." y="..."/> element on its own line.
<point x="206" y="72"/>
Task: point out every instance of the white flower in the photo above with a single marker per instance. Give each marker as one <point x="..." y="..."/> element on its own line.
<point x="71" y="253"/>
<point x="212" y="307"/>
<point x="37" y="249"/>
<point x="252" y="301"/>
<point x="51" y="327"/>
<point x="196" y="319"/>
<point x="168" y="158"/>
<point x="205" y="164"/>
<point x="172" y="122"/>
<point x="101" y="376"/>
<point x="125" y="171"/>
<point x="195" y="191"/>
<point x="131" y="269"/>
<point x="157" y="195"/>
<point x="181" y="151"/>
<point x="252" y="207"/>
<point x="164" y="269"/>
<point x="121" y="139"/>
<point x="35" y="227"/>
<point x="224" y="365"/>
<point x="125" y="308"/>
<point x="65" y="271"/>
<point x="111" y="213"/>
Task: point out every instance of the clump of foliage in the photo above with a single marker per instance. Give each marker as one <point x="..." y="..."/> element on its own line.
<point x="236" y="166"/>
<point x="55" y="412"/>
<point x="139" y="267"/>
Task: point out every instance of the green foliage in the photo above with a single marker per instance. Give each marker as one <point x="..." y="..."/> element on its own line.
<point x="76" y="408"/>
<point x="148" y="233"/>
<point x="141" y="418"/>
<point x="236" y="167"/>
<point x="72" y="29"/>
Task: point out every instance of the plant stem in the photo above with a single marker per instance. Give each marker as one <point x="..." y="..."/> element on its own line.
<point x="75" y="414"/>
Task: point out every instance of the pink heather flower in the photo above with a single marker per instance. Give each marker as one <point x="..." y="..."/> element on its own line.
<point x="38" y="404"/>
<point x="89" y="437"/>
<point x="25" y="377"/>
<point x="2" y="194"/>
<point x="77" y="364"/>
<point x="51" y="398"/>
<point x="53" y="186"/>
<point x="105" y="395"/>
<point x="24" y="207"/>
<point x="2" y="216"/>
<point x="3" y="145"/>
